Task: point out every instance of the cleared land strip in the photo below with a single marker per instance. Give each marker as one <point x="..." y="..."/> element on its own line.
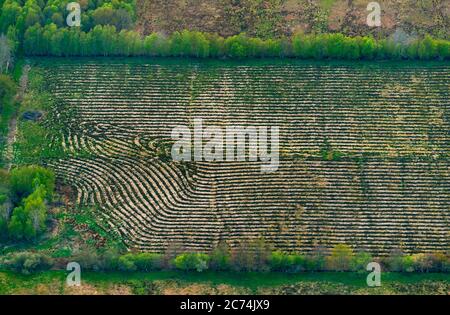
<point x="388" y="125"/>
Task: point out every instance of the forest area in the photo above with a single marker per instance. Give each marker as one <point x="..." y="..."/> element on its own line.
<point x="122" y="28"/>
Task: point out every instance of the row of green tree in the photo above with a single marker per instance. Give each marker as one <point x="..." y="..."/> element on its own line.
<point x="255" y="256"/>
<point x="23" y="209"/>
<point x="107" y="41"/>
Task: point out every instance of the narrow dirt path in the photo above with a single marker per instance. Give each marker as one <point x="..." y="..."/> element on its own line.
<point x="12" y="129"/>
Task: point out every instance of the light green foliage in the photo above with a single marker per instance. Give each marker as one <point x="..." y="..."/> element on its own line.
<point x="23" y="209"/>
<point x="28" y="221"/>
<point x="360" y="261"/>
<point x="106" y="41"/>
<point x="7" y="87"/>
<point x="192" y="262"/>
<point x="25" y="180"/>
<point x="126" y="263"/>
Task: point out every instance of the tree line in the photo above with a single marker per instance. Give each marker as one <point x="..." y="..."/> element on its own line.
<point x="39" y="29"/>
<point x="107" y="41"/>
<point x="249" y="256"/>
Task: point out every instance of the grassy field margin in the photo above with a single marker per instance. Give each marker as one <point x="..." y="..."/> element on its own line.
<point x="175" y="282"/>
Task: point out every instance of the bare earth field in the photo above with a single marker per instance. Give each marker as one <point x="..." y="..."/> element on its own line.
<point x="364" y="152"/>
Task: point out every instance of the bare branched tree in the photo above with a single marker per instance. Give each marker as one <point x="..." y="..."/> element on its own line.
<point x="5" y="54"/>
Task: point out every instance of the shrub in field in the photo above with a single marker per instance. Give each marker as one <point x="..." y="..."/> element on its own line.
<point x="26" y="262"/>
<point x="340" y="258"/>
<point x="98" y="260"/>
<point x="192" y="262"/>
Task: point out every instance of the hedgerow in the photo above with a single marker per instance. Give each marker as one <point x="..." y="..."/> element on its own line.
<point x="341" y="258"/>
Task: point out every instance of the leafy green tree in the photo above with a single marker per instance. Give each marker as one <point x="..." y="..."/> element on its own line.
<point x="428" y="48"/>
<point x="25" y="180"/>
<point x="126" y="263"/>
<point x="57" y="19"/>
<point x="280" y="261"/>
<point x="148" y="261"/>
<point x="360" y="261"/>
<point x="368" y="48"/>
<point x="28" y="221"/>
<point x="103" y="16"/>
<point x="10" y="12"/>
<point x="21" y="227"/>
<point x="192" y="262"/>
